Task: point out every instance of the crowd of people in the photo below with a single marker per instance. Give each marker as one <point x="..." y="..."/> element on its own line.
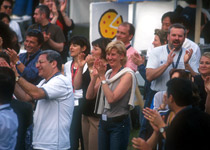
<point x="47" y="102"/>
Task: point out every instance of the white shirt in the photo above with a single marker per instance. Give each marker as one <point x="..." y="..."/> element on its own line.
<point x="159" y="57"/>
<point x="53" y="115"/>
<point x="158" y="100"/>
<point x="67" y="73"/>
<point x="15" y="27"/>
<point x="188" y="44"/>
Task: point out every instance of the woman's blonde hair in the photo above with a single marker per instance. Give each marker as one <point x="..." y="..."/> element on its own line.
<point x="206" y="54"/>
<point x="120" y="47"/>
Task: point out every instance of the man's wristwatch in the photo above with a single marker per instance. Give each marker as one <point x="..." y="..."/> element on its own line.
<point x="17" y="78"/>
<point x="103" y="82"/>
<point x="18" y="62"/>
<point x="163" y="129"/>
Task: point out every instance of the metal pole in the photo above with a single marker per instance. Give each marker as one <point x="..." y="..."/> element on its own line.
<point x="175" y="4"/>
<point x="134" y="20"/>
<point x="198" y="21"/>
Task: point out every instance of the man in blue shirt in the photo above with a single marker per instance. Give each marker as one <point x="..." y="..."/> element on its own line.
<point x="8" y="119"/>
<point x="26" y="62"/>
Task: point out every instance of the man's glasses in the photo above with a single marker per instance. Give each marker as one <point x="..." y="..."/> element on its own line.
<point x="40" y="62"/>
<point x="6" y="6"/>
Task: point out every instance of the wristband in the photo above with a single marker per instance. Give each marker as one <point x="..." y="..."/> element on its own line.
<point x="18" y="62"/>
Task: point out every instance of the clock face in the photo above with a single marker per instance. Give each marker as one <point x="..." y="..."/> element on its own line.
<point x="108" y="23"/>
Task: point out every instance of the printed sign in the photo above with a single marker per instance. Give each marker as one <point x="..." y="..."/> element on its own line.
<point x="105" y="17"/>
<point x="109" y="23"/>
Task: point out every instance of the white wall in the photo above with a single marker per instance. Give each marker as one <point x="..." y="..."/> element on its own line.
<point x="79" y="10"/>
<point x="148" y="18"/>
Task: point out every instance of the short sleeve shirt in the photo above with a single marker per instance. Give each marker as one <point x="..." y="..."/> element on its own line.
<point x="158" y="57"/>
<point x="53" y="115"/>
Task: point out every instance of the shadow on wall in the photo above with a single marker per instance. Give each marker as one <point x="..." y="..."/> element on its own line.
<point x="81" y="29"/>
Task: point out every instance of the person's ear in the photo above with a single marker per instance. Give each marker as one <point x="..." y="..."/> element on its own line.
<point x="171" y="99"/>
<point x="84" y="48"/>
<point x="54" y="64"/>
<point x="168" y="37"/>
<point x="130" y="37"/>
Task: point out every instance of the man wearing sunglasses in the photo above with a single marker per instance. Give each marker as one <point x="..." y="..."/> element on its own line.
<point x="6" y="7"/>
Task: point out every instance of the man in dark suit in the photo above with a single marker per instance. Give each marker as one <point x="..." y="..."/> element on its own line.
<point x="190" y="127"/>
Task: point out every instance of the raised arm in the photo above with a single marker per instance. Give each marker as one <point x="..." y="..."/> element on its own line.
<point x="121" y="89"/>
<point x="34" y="92"/>
<point x="78" y="77"/>
<point x="93" y="85"/>
<point x="55" y="14"/>
<point x="95" y="82"/>
<point x="25" y="90"/>
<point x="187" y="57"/>
<point x="66" y="19"/>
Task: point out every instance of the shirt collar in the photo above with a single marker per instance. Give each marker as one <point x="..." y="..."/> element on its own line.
<point x="4" y="106"/>
<point x="34" y="53"/>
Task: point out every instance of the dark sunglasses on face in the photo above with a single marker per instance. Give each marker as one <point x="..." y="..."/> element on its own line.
<point x="6" y="6"/>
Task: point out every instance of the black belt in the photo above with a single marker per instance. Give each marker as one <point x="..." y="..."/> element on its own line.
<point x="117" y="119"/>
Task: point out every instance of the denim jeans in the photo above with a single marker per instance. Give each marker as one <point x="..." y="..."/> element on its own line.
<point x="114" y="135"/>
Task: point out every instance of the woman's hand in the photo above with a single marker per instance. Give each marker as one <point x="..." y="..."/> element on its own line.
<point x="90" y="61"/>
<point x="101" y="67"/>
<point x="63" y="6"/>
<point x="54" y="10"/>
<point x="81" y="60"/>
<point x="207" y="84"/>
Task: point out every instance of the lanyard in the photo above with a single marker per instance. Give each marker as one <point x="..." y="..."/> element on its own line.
<point x="178" y="59"/>
<point x="73" y="74"/>
<point x="128" y="47"/>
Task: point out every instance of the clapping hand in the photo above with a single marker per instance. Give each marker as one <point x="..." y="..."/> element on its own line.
<point x="81" y="60"/>
<point x="207" y="84"/>
<point x="90" y="61"/>
<point x="13" y="55"/>
<point x="46" y="36"/>
<point x="137" y="59"/>
<point x="154" y="118"/>
<point x="54" y="10"/>
<point x="100" y="66"/>
<point x="171" y="56"/>
<point x="187" y="56"/>
<point x="140" y="144"/>
<point x="63" y="5"/>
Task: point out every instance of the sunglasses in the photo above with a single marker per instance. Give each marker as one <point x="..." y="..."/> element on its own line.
<point x="6" y="6"/>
